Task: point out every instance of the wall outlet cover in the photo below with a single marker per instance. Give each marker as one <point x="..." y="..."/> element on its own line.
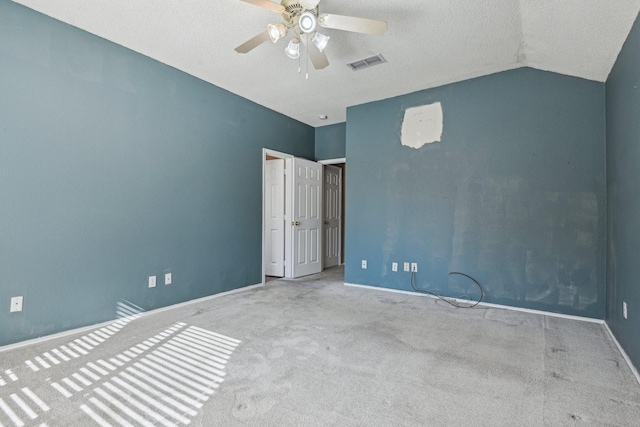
<point x="16" y="304"/>
<point x="414" y="267"/>
<point x="152" y="281"/>
<point x="364" y="263"/>
<point x="406" y="266"/>
<point x="394" y="266"/>
<point x="167" y="278"/>
<point x="624" y="309"/>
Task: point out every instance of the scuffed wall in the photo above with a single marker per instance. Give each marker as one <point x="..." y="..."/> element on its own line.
<point x="421" y="125"/>
<point x="513" y="194"/>
<point x="623" y="199"/>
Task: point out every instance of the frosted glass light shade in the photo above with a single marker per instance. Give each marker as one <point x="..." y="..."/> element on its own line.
<point x="320" y="41"/>
<point x="293" y="49"/>
<point x="277" y="31"/>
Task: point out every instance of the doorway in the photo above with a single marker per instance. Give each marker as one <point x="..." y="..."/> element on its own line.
<point x="292" y="216"/>
<point x="340" y="163"/>
<point x="292" y="245"/>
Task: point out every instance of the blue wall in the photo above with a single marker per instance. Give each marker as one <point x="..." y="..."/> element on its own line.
<point x="330" y="141"/>
<point x="623" y="199"/>
<point x="114" y="167"/>
<point x="513" y="195"/>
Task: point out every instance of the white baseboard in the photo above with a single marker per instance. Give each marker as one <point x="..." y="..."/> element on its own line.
<point x="484" y="304"/>
<point x="63" y="334"/>
<point x="624" y="353"/>
<point x="83" y="329"/>
<point x="194" y="301"/>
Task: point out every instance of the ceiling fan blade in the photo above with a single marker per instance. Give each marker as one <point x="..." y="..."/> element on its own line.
<point x="267" y="5"/>
<point x="310" y="4"/>
<point x="351" y="23"/>
<point x="253" y="42"/>
<point x="318" y="59"/>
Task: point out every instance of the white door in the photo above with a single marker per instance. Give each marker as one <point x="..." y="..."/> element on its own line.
<point x="306" y="218"/>
<point x="274" y="221"/>
<point x="332" y="212"/>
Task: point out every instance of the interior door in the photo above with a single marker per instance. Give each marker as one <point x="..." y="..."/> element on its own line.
<point x="274" y="221"/>
<point x="332" y="213"/>
<point x="306" y="218"/>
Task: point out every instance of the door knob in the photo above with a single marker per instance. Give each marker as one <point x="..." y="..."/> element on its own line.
<point x="295" y="222"/>
<point x="326" y="222"/>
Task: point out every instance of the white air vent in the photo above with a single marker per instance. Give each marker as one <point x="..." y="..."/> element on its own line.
<point x="367" y="62"/>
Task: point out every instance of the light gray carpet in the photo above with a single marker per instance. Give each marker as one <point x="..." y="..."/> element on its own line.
<point x="313" y="352"/>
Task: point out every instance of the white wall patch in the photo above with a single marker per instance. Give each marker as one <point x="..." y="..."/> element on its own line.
<point x="422" y="125"/>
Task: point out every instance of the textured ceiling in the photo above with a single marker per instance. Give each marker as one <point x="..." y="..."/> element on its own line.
<point x="429" y="43"/>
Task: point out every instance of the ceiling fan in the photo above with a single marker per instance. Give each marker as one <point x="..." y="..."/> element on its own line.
<point x="302" y="18"/>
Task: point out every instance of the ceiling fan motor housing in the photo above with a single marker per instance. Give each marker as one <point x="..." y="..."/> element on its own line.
<point x="292" y="8"/>
<point x="300" y="16"/>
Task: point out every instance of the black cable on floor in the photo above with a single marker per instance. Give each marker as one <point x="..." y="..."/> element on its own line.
<point x="451" y="301"/>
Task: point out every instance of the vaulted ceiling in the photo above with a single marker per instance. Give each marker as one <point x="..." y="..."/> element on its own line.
<point x="428" y="43"/>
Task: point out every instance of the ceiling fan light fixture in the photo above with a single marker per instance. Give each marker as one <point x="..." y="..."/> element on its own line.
<point x="277" y="31"/>
<point x="293" y="49"/>
<point x="320" y="41"/>
<point x="307" y="22"/>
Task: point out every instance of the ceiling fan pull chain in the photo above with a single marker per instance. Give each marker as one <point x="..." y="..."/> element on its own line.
<point x="307" y="47"/>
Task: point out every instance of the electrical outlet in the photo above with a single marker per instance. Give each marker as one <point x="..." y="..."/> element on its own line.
<point x="624" y="309"/>
<point x="16" y="304"/>
<point x="406" y="266"/>
<point x="167" y="278"/>
<point x="414" y="267"/>
<point x="152" y="281"/>
<point x="394" y="266"/>
<point x="364" y="264"/>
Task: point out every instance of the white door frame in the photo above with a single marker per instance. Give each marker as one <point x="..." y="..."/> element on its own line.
<point x="288" y="160"/>
<point x="333" y="161"/>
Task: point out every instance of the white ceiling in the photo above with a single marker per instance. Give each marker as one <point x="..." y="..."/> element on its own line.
<point x="429" y="43"/>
